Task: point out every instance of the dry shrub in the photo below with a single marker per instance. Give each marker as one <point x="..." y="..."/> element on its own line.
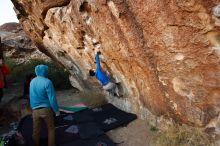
<point x="92" y="98"/>
<point x="176" y="135"/>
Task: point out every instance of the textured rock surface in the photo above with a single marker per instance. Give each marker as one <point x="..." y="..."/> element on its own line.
<point x="164" y="52"/>
<point x="17" y="45"/>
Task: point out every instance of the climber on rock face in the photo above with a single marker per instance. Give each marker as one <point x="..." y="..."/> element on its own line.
<point x="103" y="78"/>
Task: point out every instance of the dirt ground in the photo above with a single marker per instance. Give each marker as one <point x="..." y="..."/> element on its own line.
<point x="135" y="133"/>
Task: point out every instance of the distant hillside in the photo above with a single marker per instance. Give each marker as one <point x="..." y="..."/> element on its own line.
<point x="17" y="45"/>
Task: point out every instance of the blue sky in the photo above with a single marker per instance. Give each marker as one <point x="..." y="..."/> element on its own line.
<point x="7" y="13"/>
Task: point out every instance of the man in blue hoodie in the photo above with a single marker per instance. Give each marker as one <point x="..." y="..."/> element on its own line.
<point x="43" y="103"/>
<point x="103" y="78"/>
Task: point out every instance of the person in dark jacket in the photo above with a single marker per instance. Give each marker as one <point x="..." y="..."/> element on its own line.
<point x="27" y="82"/>
<point x="43" y="103"/>
<point x="103" y="78"/>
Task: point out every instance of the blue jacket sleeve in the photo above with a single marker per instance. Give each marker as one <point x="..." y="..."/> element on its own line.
<point x="98" y="66"/>
<point x="52" y="97"/>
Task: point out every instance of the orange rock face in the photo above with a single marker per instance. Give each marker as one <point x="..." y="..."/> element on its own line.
<point x="165" y="53"/>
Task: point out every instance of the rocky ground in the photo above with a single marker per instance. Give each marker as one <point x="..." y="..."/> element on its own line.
<point x="134" y="134"/>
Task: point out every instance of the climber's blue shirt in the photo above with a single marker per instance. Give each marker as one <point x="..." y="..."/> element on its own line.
<point x="42" y="92"/>
<point x="100" y="75"/>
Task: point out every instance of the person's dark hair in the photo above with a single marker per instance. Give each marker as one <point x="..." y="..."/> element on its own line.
<point x="91" y="72"/>
<point x="99" y="53"/>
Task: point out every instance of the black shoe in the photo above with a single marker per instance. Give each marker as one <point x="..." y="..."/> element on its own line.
<point x="118" y="95"/>
<point x="118" y="83"/>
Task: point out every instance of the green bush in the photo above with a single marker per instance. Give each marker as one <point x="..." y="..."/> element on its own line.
<point x="10" y="62"/>
<point x="56" y="73"/>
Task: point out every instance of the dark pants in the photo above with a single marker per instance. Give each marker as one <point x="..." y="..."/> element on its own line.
<point x="1" y="94"/>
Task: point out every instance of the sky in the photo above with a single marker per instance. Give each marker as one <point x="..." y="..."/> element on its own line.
<point x="7" y="13"/>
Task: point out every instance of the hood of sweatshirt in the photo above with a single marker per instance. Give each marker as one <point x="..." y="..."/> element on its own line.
<point x="41" y="70"/>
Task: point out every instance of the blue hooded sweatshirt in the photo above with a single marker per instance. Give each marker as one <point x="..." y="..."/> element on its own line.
<point x="42" y="92"/>
<point x="100" y="75"/>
